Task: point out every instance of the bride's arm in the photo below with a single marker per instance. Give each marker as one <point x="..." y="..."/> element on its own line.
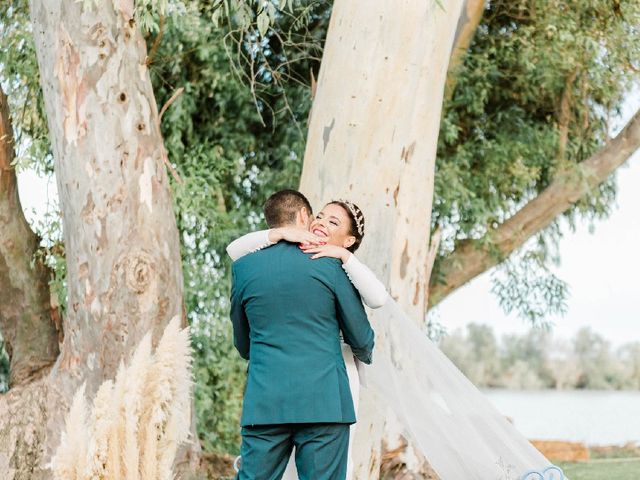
<point x="254" y="241"/>
<point x="249" y="243"/>
<point x="372" y="290"/>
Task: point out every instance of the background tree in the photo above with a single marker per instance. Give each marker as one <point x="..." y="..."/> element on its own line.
<point x="28" y="321"/>
<point x="598" y="369"/>
<point x="475" y="353"/>
<point x="120" y="237"/>
<point x="630" y="355"/>
<point x="534" y="97"/>
<point x="537" y="360"/>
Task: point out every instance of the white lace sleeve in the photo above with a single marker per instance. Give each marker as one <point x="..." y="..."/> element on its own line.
<point x="371" y="289"/>
<point x="248" y="243"/>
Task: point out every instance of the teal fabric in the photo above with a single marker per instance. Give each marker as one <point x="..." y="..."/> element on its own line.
<point x="321" y="451"/>
<point x="287" y="313"/>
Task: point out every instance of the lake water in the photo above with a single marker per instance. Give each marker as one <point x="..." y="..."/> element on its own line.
<point x="592" y="417"/>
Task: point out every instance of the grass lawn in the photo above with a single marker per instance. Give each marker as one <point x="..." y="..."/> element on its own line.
<point x="618" y="469"/>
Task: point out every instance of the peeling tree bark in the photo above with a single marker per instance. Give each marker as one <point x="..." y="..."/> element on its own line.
<point x="26" y="316"/>
<point x="470" y="258"/>
<point x="372" y="139"/>
<point x="124" y="271"/>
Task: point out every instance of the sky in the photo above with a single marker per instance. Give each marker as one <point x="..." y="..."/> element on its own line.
<point x="601" y="268"/>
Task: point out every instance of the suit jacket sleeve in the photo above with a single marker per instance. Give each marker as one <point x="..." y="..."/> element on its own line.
<point x="353" y="320"/>
<point x="239" y="318"/>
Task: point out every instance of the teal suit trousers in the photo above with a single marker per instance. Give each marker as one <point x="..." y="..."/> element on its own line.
<point x="321" y="451"/>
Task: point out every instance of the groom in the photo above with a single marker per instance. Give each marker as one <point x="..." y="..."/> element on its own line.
<point x="287" y="313"/>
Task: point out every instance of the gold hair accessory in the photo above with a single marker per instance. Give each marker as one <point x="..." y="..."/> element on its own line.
<point x="357" y="217"/>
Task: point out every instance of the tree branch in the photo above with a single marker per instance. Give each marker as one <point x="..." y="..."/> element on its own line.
<point x="156" y="42"/>
<point x="29" y="333"/>
<point x="473" y="257"/>
<point x="564" y="116"/>
<point x="470" y="17"/>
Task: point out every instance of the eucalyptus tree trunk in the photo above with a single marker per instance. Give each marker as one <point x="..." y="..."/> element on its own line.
<point x="124" y="272"/>
<point x="28" y="322"/>
<point x="372" y="139"/>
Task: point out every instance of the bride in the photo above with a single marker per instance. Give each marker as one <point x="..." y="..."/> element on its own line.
<point x="444" y="415"/>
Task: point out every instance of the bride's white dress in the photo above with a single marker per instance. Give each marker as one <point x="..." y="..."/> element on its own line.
<point x="443" y="414"/>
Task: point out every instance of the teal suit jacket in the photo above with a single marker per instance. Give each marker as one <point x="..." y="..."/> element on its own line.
<point x="287" y="313"/>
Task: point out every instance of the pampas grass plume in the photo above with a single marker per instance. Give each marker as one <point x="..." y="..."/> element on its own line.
<point x="70" y="459"/>
<point x="100" y="422"/>
<point x="166" y="418"/>
<point x="115" y="435"/>
<point x="137" y="421"/>
<point x="134" y="385"/>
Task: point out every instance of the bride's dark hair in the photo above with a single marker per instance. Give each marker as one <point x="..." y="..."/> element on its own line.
<point x="356" y="225"/>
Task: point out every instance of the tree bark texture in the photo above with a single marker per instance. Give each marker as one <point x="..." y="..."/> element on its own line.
<point x="124" y="271"/>
<point x="372" y="139"/>
<point x="471" y="258"/>
<point x="27" y="320"/>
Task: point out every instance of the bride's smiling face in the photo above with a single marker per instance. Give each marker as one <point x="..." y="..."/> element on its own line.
<point x="333" y="224"/>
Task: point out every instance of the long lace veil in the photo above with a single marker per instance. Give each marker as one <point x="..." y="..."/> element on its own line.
<point x="446" y="417"/>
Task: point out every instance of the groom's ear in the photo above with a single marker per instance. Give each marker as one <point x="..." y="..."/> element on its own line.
<point x="304" y="216"/>
<point x="309" y="214"/>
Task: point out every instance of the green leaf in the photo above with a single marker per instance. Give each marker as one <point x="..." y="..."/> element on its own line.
<point x="216" y="16"/>
<point x="263" y="23"/>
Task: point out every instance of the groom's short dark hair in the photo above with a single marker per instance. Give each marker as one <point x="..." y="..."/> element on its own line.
<point x="281" y="207"/>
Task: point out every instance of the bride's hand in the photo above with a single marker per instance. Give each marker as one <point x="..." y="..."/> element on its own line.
<point x="332" y="251"/>
<point x="294" y="235"/>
